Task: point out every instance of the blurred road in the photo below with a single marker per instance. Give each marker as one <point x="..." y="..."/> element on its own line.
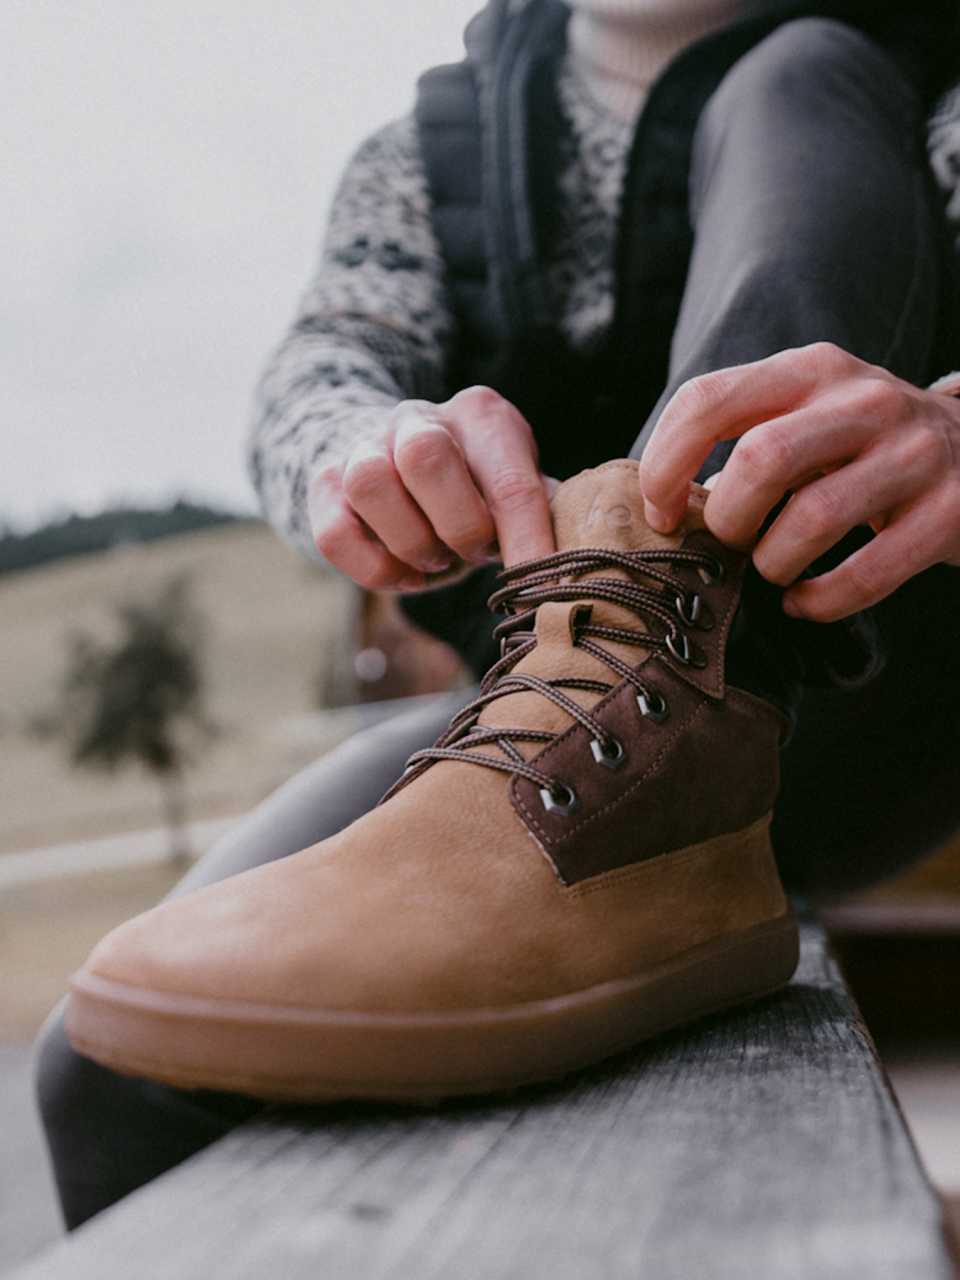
<point x="81" y="857"/>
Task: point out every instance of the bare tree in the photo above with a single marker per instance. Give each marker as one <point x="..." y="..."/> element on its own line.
<point x="140" y="700"/>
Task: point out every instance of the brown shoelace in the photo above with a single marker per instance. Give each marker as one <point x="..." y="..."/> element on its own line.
<point x="660" y="597"/>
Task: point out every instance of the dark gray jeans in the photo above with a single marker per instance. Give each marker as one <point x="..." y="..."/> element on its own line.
<point x="815" y="219"/>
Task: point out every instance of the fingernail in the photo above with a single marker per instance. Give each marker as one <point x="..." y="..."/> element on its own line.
<point x="413" y="582"/>
<point x="488" y="554"/>
<point x="790" y="608"/>
<point x="655" y="518"/>
<point x="438" y="566"/>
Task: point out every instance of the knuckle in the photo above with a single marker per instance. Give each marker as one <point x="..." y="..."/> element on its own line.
<point x="828" y="364"/>
<point x="423" y="450"/>
<point x="341" y="542"/>
<point x="495" y="421"/>
<point x="930" y="450"/>
<point x="468" y="538"/>
<point x="818" y="514"/>
<point x="698" y="396"/>
<point x="826" y="357"/>
<point x="941" y="510"/>
<point x="407" y="409"/>
<point x="479" y="401"/>
<point x="364" y="477"/>
<point x="763" y="455"/>
<point x="514" y="488"/>
<point x="883" y="403"/>
<point x="331" y="536"/>
<point x="413" y="543"/>
<point x="868" y="578"/>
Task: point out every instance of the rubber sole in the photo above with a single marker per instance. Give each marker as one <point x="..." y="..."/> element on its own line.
<point x="309" y="1055"/>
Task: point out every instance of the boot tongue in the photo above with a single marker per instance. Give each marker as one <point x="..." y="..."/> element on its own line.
<point x="604" y="508"/>
<point x="601" y="508"/>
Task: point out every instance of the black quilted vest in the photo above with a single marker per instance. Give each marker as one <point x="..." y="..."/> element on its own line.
<point x="492" y="136"/>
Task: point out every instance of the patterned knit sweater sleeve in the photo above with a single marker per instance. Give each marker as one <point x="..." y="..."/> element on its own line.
<point x="373" y="328"/>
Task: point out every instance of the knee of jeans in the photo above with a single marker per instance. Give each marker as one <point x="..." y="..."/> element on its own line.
<point x="59" y="1072"/>
<point x="808" y="68"/>
<point x="71" y="1090"/>
<point x="108" y="1134"/>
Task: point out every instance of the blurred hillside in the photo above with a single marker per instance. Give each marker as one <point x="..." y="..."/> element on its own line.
<point x="79" y="535"/>
<point x="272" y="626"/>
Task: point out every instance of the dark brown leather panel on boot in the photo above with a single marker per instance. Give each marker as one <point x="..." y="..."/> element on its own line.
<point x="693" y="785"/>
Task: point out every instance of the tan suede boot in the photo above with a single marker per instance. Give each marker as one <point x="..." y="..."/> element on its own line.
<point x="581" y="862"/>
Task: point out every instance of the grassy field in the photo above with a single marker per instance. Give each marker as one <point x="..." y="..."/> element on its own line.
<point x="276" y="629"/>
<point x="48" y="929"/>
<point x="272" y="623"/>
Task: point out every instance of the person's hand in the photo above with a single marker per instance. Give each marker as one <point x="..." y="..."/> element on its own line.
<point x="439" y="488"/>
<point x="845" y="442"/>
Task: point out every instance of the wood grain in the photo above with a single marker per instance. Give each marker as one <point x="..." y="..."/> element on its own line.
<point x="763" y="1144"/>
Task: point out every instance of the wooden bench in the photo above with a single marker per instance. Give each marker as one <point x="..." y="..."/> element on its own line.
<point x="764" y="1143"/>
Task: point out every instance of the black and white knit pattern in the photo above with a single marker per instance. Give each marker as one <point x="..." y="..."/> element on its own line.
<point x="375" y="325"/>
<point x="943" y="142"/>
<point x="372" y="328"/>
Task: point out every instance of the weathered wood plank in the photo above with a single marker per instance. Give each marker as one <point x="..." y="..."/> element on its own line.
<point x="761" y="1144"/>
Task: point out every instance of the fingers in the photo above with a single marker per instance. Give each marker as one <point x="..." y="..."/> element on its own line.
<point x="723" y="405"/>
<point x="377" y="496"/>
<point x="870" y="490"/>
<point x="861" y="428"/>
<point x="909" y="539"/>
<point x="471" y="466"/>
<point x="436" y="486"/>
<point x="345" y="542"/>
<point x="838" y="443"/>
<point x="501" y="453"/>
<point x="869" y="575"/>
<point x="431" y="466"/>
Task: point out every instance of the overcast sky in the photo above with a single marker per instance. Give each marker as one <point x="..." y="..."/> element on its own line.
<point x="164" y="174"/>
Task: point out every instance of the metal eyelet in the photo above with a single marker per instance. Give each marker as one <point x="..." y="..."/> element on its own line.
<point x="561" y="800"/>
<point x="699" y="614"/>
<point x="610" y="756"/>
<point x="686" y="652"/>
<point x="653" y="707"/>
<point x="714" y="574"/>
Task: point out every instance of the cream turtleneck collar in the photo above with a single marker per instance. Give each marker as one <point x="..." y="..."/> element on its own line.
<point x="617" y="48"/>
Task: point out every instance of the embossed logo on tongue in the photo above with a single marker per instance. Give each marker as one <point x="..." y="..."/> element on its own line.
<point x="614" y="518"/>
<point x="604" y="508"/>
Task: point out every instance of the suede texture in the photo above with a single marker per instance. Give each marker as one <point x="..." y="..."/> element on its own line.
<point x="450" y="897"/>
<point x="438" y="901"/>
